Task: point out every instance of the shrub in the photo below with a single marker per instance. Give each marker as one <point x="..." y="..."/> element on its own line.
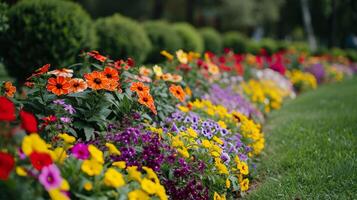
<point x="3" y="18"/>
<point x="191" y="39"/>
<point x="212" y="40"/>
<point x="122" y="37"/>
<point x="351" y="54"/>
<point x="162" y="37"/>
<point x="235" y="41"/>
<point x="270" y="45"/>
<point x="44" y="31"/>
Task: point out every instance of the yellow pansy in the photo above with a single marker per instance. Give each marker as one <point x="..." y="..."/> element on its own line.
<point x="222" y="124"/>
<point x="192" y="132"/>
<point x="113" y="178"/>
<point x="206" y="143"/>
<point x="216" y="196"/>
<point x="218" y="140"/>
<point x="244" y="185"/>
<point x="91" y="167"/>
<point x="138" y="195"/>
<point x="183" y="152"/>
<point x="67" y="138"/>
<point x="243" y="168"/>
<point x="88" y="186"/>
<point x="120" y="164"/>
<point x="112" y="149"/>
<point x="148" y="186"/>
<point x="33" y="142"/>
<point x="96" y="153"/>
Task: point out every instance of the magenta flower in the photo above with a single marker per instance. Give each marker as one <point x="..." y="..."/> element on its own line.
<point x="50" y="177"/>
<point x="80" y="151"/>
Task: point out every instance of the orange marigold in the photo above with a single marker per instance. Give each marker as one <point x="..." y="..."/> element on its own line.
<point x="9" y="89"/>
<point x="58" y="86"/>
<point x="77" y="85"/>
<point x="146" y="99"/>
<point x="178" y="92"/>
<point x="139" y="88"/>
<point x="96" y="80"/>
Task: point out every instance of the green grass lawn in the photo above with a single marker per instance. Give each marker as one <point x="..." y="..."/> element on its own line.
<point x="311" y="147"/>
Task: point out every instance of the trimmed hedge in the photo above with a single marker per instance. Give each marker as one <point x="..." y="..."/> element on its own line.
<point x="162" y="37"/>
<point x="191" y="39"/>
<point x="44" y="31"/>
<point x="212" y="39"/>
<point x="122" y="37"/>
<point x="236" y="41"/>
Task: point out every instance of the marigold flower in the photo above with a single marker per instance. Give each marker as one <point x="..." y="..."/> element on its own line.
<point x="68" y="73"/>
<point x="177" y="92"/>
<point x="120" y="164"/>
<point x="58" y="86"/>
<point x="138" y="195"/>
<point x="134" y="174"/>
<point x="113" y="178"/>
<point x="77" y="85"/>
<point x="113" y="85"/>
<point x="112" y="149"/>
<point x="40" y="160"/>
<point x="92" y="167"/>
<point x="139" y="88"/>
<point x="9" y="89"/>
<point x="96" y="55"/>
<point x="28" y="122"/>
<point x="7" y="110"/>
<point x="148" y="186"/>
<point x="96" y="80"/>
<point x="33" y="142"/>
<point x="88" y="186"/>
<point x="7" y="164"/>
<point x="96" y="153"/>
<point x="67" y="138"/>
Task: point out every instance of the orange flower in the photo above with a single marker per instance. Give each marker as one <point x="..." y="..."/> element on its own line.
<point x="139" y="88"/>
<point x="146" y="99"/>
<point x="68" y="73"/>
<point x="77" y="85"/>
<point x="96" y="80"/>
<point x="166" y="77"/>
<point x="58" y="86"/>
<point x="178" y="92"/>
<point x="96" y="55"/>
<point x="29" y="84"/>
<point x="9" y="89"/>
<point x="113" y="85"/>
<point x="176" y="78"/>
<point x="40" y="71"/>
<point x="111" y="73"/>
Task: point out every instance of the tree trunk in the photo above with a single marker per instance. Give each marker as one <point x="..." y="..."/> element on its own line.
<point x="308" y="25"/>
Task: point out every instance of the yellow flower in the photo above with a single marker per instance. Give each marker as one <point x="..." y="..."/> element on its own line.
<point x="206" y="143"/>
<point x="113" y="149"/>
<point x="216" y="196"/>
<point x="56" y="194"/>
<point x="182" y="56"/>
<point x="188" y="91"/>
<point x="21" y="171"/>
<point x="134" y="174"/>
<point x="218" y="140"/>
<point x="228" y="183"/>
<point x="213" y="69"/>
<point x="113" y="178"/>
<point x="243" y="168"/>
<point x="157" y="70"/>
<point x="138" y="195"/>
<point x="166" y="77"/>
<point x="88" y="186"/>
<point x="91" y="167"/>
<point x="244" y="185"/>
<point x="183" y="108"/>
<point x="64" y="185"/>
<point x="148" y="186"/>
<point x="192" y="132"/>
<point x="160" y="191"/>
<point x="120" y="164"/>
<point x="222" y="124"/>
<point x="33" y="142"/>
<point x="67" y="138"/>
<point x="222" y="169"/>
<point x="167" y="55"/>
<point x="96" y="153"/>
<point x="59" y="155"/>
<point x="151" y="174"/>
<point x="183" y="152"/>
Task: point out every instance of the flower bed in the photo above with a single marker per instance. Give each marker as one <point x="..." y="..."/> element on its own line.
<point x="191" y="129"/>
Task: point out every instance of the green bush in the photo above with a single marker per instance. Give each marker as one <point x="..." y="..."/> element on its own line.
<point x="235" y="41"/>
<point x="3" y="17"/>
<point x="122" y="37"/>
<point x="162" y="37"/>
<point x="253" y="47"/>
<point x="44" y="31"/>
<point x="351" y="54"/>
<point x="212" y="40"/>
<point x="270" y="45"/>
<point x="191" y="39"/>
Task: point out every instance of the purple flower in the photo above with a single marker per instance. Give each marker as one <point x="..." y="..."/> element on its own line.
<point x="243" y="157"/>
<point x="50" y="177"/>
<point x="69" y="108"/>
<point x="59" y="102"/>
<point x="66" y="119"/>
<point x="224" y="131"/>
<point x="80" y="151"/>
<point x="225" y="158"/>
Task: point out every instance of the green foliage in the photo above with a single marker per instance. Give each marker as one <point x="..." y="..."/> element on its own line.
<point x="3" y="18"/>
<point x="122" y="37"/>
<point x="162" y="37"/>
<point x="352" y="54"/>
<point x="44" y="31"/>
<point x="270" y="45"/>
<point x="212" y="40"/>
<point x="191" y="39"/>
<point x="235" y="41"/>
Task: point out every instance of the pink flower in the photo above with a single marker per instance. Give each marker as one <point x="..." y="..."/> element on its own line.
<point x="80" y="151"/>
<point x="50" y="177"/>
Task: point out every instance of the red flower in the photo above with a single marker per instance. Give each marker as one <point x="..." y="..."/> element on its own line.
<point x="7" y="110"/>
<point x="96" y="55"/>
<point x="40" y="71"/>
<point x="29" y="122"/>
<point x="40" y="160"/>
<point x="130" y="62"/>
<point x="7" y="163"/>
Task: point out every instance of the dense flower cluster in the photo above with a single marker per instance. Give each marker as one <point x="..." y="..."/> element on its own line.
<point x="108" y="129"/>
